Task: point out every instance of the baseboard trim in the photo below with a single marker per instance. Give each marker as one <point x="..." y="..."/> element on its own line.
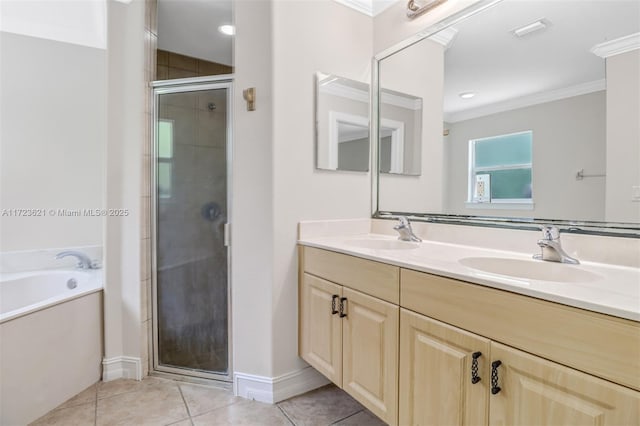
<point x="121" y="367"/>
<point x="275" y="389"/>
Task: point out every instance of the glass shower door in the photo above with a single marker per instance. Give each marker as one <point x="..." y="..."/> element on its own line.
<point x="191" y="291"/>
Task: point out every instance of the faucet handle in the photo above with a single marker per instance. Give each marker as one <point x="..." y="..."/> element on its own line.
<point x="403" y="223"/>
<point x="550" y="232"/>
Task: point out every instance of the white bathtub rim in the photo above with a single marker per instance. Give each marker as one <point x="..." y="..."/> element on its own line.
<point x="94" y="285"/>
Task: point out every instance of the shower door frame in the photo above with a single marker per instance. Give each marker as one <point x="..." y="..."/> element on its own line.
<point x="185" y="85"/>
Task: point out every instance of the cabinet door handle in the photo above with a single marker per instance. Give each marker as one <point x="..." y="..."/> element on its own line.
<point x="474" y="367"/>
<point x="333" y="304"/>
<point x="494" y="377"/>
<point x="342" y="303"/>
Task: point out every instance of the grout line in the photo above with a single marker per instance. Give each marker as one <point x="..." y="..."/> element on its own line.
<point x="285" y="414"/>
<point x="213" y="409"/>
<point x="345" y="418"/>
<point x="184" y="401"/>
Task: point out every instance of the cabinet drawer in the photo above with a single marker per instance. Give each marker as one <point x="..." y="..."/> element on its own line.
<point x="602" y="345"/>
<point x="373" y="278"/>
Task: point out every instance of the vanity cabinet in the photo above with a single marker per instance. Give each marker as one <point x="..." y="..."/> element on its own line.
<point x="443" y="373"/>
<point x="450" y="376"/>
<point x="534" y="391"/>
<point x="349" y="336"/>
<point x="438" y="351"/>
<point x="526" y="345"/>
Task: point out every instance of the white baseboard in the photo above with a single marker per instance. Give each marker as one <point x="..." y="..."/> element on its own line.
<point x="121" y="367"/>
<point x="275" y="389"/>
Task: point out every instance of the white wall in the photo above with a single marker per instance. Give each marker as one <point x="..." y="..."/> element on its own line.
<point x="568" y="135"/>
<point x="124" y="162"/>
<point x="308" y="37"/>
<point x="52" y="137"/>
<point x="252" y="209"/>
<point x="417" y="70"/>
<point x="623" y="136"/>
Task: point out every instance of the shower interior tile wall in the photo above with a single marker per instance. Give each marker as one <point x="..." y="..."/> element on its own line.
<point x="187" y="245"/>
<point x="199" y="155"/>
<point x="173" y="65"/>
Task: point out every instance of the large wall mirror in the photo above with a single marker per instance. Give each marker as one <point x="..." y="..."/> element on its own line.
<point x="342" y="127"/>
<point x="530" y="112"/>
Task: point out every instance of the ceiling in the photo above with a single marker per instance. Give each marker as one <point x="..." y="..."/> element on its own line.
<point x="190" y="27"/>
<point x="487" y="59"/>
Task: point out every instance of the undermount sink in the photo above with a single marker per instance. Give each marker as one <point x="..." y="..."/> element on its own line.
<point x="383" y="244"/>
<point x="530" y="269"/>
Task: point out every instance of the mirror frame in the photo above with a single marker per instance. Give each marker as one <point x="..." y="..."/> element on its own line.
<point x="628" y="230"/>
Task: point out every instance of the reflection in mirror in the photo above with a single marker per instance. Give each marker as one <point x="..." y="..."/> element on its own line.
<point x="532" y="128"/>
<point x="342" y="123"/>
<point x="400" y="133"/>
<point x="342" y="127"/>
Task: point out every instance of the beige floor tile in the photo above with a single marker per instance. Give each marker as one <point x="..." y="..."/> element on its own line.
<point x="84" y="397"/>
<point x="120" y="386"/>
<point x="80" y="415"/>
<point x="245" y="413"/>
<point x="322" y="406"/>
<point x="152" y="404"/>
<point x="201" y="399"/>
<point x="185" y="422"/>
<point x="363" y="418"/>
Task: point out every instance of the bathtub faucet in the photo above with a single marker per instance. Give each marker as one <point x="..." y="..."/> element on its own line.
<point x="83" y="260"/>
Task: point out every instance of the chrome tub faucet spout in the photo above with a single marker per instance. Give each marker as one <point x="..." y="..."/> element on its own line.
<point x="83" y="260"/>
<point x="405" y="230"/>
<point x="550" y="247"/>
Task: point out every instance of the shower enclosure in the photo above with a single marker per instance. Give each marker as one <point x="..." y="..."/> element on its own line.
<point x="191" y="329"/>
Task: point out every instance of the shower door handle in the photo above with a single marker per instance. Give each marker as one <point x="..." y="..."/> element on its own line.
<point x="227" y="234"/>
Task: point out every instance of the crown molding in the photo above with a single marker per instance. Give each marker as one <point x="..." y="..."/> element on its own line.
<point x="525" y="101"/>
<point x="344" y="91"/>
<point x="617" y="46"/>
<point x="445" y="37"/>
<point x="388" y="98"/>
<point x="367" y="7"/>
<point x="401" y="101"/>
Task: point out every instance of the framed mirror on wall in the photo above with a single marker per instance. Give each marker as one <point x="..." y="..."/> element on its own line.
<point x="342" y="123"/>
<point x="342" y="127"/>
<point x="527" y="109"/>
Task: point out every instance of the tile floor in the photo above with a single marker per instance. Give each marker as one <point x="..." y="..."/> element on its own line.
<point x="156" y="401"/>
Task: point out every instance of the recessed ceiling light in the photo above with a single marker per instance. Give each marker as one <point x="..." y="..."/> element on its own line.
<point x="539" y="25"/>
<point x="227" y="29"/>
<point x="467" y="95"/>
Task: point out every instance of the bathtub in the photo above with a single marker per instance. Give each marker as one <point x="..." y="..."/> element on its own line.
<point x="50" y="340"/>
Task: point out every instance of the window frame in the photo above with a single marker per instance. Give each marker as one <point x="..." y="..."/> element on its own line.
<point x="499" y="203"/>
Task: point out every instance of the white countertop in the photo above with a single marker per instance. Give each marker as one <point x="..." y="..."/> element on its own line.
<point x="616" y="291"/>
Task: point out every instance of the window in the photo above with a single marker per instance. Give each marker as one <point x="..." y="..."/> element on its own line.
<point x="500" y="170"/>
<point x="165" y="157"/>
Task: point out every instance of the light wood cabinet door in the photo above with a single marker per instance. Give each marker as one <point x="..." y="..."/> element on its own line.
<point x="437" y="385"/>
<point x="534" y="391"/>
<point x="320" y="332"/>
<point x="370" y="353"/>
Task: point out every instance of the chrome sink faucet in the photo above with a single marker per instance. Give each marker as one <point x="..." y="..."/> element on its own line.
<point x="405" y="230"/>
<point x="83" y="260"/>
<point x="551" y="250"/>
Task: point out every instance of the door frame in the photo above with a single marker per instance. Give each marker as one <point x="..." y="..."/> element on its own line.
<point x="185" y="85"/>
